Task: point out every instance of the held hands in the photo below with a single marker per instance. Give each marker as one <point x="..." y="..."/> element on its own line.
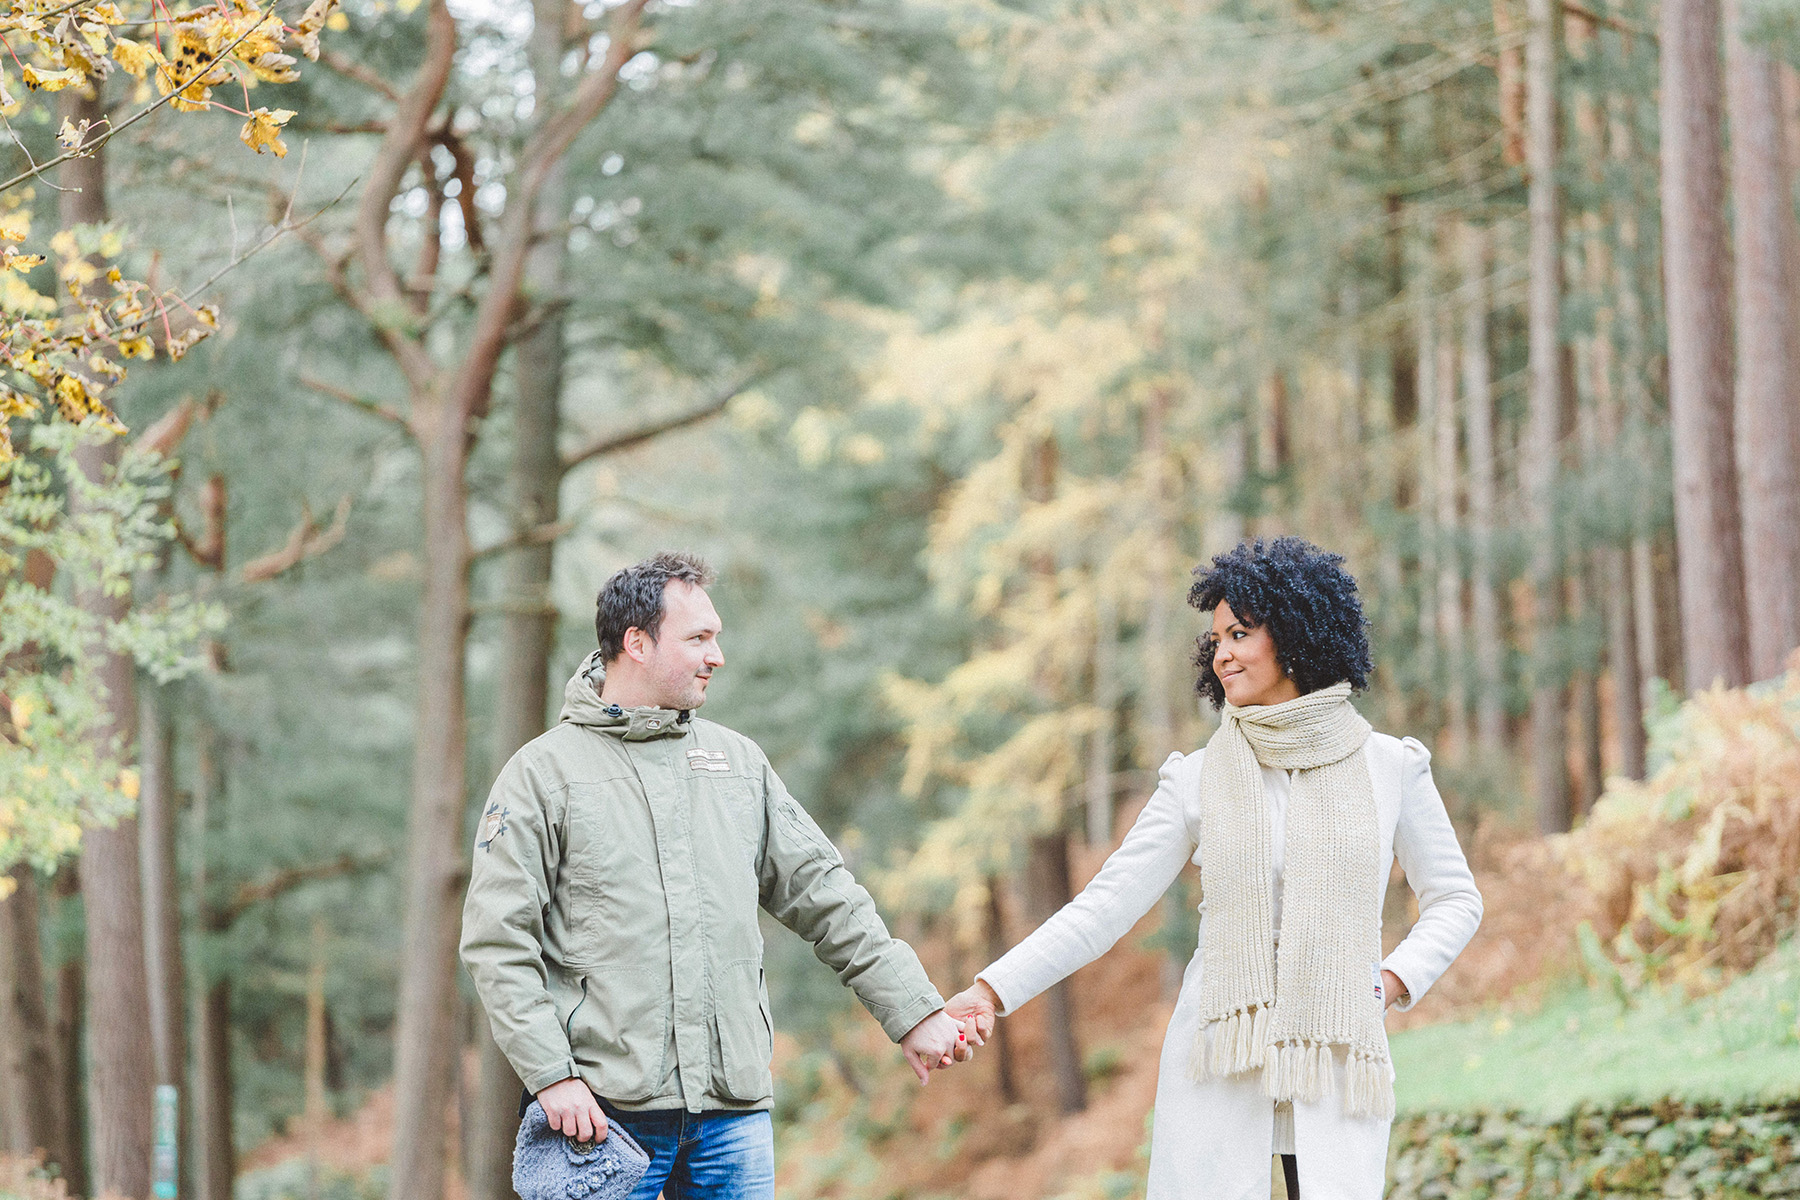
<point x="1392" y="990"/>
<point x="976" y="1005"/>
<point x="935" y="1043"/>
<point x="573" y="1111"/>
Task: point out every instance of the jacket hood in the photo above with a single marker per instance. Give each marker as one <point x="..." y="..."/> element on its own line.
<point x="582" y="706"/>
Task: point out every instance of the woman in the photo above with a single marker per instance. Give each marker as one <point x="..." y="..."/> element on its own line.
<point x="1294" y="812"/>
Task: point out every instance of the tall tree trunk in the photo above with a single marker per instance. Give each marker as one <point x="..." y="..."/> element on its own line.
<point x="162" y="907"/>
<point x="528" y="632"/>
<point x="1048" y="888"/>
<point x="1509" y="70"/>
<point x="214" y="1151"/>
<point x="1157" y="704"/>
<point x="121" y="1066"/>
<point x="30" y="1076"/>
<point x="1697" y="270"/>
<point x="315" y="1112"/>
<point x="997" y="945"/>
<point x="1767" y="256"/>
<point x="1428" y="658"/>
<point x="1539" y="469"/>
<point x="1449" y="566"/>
<point x="1478" y="426"/>
<point x="1106" y="704"/>
<point x="28" y="1067"/>
<point x="71" y="994"/>
<point x="425" y="1040"/>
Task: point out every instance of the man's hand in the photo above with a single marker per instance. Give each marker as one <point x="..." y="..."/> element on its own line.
<point x="934" y="1043"/>
<point x="975" y="1006"/>
<point x="573" y="1111"/>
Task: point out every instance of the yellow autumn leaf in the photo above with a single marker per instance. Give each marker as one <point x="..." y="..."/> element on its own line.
<point x="49" y="81"/>
<point x="24" y="262"/>
<point x="137" y="347"/>
<point x="95" y="37"/>
<point x="275" y="68"/>
<point x="69" y="136"/>
<point x="18" y="404"/>
<point x="264" y="129"/>
<point x="64" y="245"/>
<point x="15" y="226"/>
<point x="106" y="11"/>
<point x="129" y="783"/>
<point x="72" y="398"/>
<point x="337" y="22"/>
<point x="23" y="709"/>
<point x="137" y="58"/>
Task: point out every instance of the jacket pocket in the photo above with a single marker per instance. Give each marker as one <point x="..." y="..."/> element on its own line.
<point x="744" y="1033"/>
<point x="620" y="1029"/>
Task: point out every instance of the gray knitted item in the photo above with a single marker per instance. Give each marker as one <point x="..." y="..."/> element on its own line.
<point x="549" y="1166"/>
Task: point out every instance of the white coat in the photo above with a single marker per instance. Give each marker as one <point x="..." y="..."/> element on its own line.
<point x="1213" y="1140"/>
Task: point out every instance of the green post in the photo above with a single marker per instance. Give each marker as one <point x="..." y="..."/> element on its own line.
<point x="162" y="1157"/>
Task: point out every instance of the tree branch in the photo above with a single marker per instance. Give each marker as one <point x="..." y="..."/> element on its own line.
<point x="536" y="536"/>
<point x="472" y="389"/>
<point x="249" y="895"/>
<point x="162" y="437"/>
<point x="464" y="173"/>
<point x="625" y="439"/>
<point x="399" y="147"/>
<point x="349" y="68"/>
<point x="373" y="407"/>
<point x="306" y="541"/>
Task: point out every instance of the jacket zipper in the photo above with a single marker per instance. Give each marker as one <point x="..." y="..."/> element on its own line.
<point x="569" y="1025"/>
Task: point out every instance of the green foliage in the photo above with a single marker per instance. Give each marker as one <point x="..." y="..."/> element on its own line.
<point x="58" y="773"/>
<point x="1666" y="1149"/>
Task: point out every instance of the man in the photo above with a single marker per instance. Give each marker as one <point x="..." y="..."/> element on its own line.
<point x="611" y="926"/>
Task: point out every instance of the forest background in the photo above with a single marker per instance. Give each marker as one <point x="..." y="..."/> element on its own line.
<point x="954" y="335"/>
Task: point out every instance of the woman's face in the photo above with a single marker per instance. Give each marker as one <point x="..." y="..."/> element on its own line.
<point x="1244" y="661"/>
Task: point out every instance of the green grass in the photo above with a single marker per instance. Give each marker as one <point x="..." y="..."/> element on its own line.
<point x="1584" y="1045"/>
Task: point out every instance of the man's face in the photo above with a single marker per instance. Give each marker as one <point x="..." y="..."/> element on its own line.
<point x="680" y="662"/>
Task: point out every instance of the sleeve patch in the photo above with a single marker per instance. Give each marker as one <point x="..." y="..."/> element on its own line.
<point x="493" y="825"/>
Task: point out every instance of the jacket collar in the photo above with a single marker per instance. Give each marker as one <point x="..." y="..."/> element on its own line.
<point x="582" y="706"/>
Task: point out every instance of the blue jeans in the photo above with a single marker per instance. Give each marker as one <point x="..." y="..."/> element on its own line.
<point x="702" y="1156"/>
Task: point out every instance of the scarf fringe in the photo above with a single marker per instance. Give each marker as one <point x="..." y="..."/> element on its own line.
<point x="1231" y="1045"/>
<point x="1368" y="1087"/>
<point x="1297" y="1071"/>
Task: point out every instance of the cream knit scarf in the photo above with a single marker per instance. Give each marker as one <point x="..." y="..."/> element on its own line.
<point x="1287" y="1020"/>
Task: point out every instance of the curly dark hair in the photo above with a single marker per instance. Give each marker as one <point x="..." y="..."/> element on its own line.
<point x="633" y="598"/>
<point x="1307" y="600"/>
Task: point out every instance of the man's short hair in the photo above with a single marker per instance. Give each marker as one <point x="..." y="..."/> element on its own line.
<point x="633" y="598"/>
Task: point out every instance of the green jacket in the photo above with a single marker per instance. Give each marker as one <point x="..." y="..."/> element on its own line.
<point x="611" y="926"/>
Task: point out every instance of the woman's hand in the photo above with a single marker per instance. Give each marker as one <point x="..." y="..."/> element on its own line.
<point x="976" y="1004"/>
<point x="1392" y="990"/>
<point x="935" y="1043"/>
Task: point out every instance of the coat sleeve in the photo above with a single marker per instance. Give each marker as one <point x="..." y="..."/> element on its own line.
<point x="1135" y="876"/>
<point x="518" y="848"/>
<point x="805" y="885"/>
<point x="1449" y="905"/>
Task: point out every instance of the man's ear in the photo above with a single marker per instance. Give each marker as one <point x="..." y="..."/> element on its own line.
<point x="636" y="643"/>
